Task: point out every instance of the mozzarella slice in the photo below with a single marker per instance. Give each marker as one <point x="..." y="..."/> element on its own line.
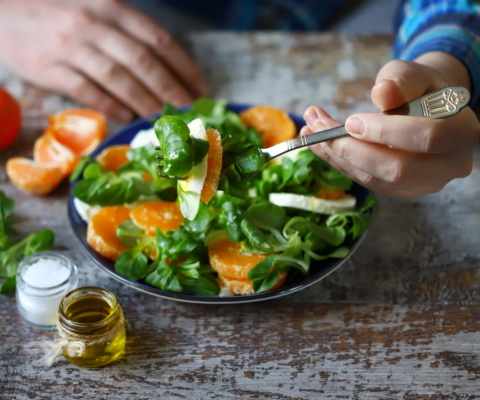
<point x="313" y="204"/>
<point x="143" y="138"/>
<point x="196" y="177"/>
<point x="292" y="155"/>
<point x="86" y="211"/>
<point x="225" y="292"/>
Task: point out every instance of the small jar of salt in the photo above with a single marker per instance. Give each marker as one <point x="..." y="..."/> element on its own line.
<point x="43" y="279"/>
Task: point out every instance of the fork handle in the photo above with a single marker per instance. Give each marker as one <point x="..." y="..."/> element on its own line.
<point x="442" y="103"/>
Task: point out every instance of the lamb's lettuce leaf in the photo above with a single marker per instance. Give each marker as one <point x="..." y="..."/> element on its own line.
<point x="107" y="188"/>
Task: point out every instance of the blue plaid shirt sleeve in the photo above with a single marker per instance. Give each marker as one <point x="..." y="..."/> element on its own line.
<point x="450" y="26"/>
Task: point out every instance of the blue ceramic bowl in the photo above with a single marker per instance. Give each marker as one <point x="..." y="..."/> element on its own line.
<point x="318" y="269"/>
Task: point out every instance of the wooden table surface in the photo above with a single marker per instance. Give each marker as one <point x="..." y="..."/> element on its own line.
<point x="400" y="319"/>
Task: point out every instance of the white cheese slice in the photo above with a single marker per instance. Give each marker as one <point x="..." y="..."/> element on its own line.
<point x="86" y="211"/>
<point x="313" y="204"/>
<point x="196" y="177"/>
<point x="225" y="292"/>
<point x="293" y="155"/>
<point x="143" y="138"/>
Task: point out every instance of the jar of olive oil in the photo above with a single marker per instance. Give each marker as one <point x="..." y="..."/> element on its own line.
<point x="91" y="323"/>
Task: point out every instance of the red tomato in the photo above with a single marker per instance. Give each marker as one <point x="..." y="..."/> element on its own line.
<point x="10" y="119"/>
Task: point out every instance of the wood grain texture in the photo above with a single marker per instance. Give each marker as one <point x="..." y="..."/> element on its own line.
<point x="399" y="320"/>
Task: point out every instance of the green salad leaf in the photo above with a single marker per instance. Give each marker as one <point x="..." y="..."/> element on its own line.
<point x="164" y="278"/>
<point x="230" y="219"/>
<point x="181" y="152"/>
<point x="106" y="188"/>
<point x="6" y="208"/>
<point x="8" y="284"/>
<point x="32" y="244"/>
<point x="10" y="255"/>
<point x="132" y="264"/>
<point x="180" y="257"/>
<point x="307" y="175"/>
<point x="264" y="275"/>
<point x="189" y="203"/>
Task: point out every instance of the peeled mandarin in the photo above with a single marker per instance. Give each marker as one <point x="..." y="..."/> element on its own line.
<point x="113" y="157"/>
<point x="48" y="150"/>
<point x="165" y="215"/>
<point x="228" y="259"/>
<point x="273" y="125"/>
<point x="102" y="231"/>
<point x="81" y="130"/>
<point x="245" y="286"/>
<point x="33" y="177"/>
<point x="214" y="166"/>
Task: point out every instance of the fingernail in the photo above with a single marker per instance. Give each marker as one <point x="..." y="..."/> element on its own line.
<point x="124" y="115"/>
<point x="311" y="116"/>
<point x="355" y="126"/>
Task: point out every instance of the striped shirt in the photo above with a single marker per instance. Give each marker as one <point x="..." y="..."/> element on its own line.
<point x="450" y="26"/>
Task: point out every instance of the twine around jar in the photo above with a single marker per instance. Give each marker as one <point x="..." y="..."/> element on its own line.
<point x="74" y="343"/>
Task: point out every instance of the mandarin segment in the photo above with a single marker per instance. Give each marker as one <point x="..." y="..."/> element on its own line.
<point x="113" y="157"/>
<point x="48" y="150"/>
<point x="245" y="286"/>
<point x="81" y="130"/>
<point x="331" y="194"/>
<point x="214" y="166"/>
<point x="273" y="125"/>
<point x="165" y="215"/>
<point x="228" y="259"/>
<point x="33" y="177"/>
<point x="102" y="231"/>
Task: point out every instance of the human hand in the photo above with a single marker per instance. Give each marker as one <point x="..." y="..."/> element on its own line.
<point x="102" y="53"/>
<point x="401" y="156"/>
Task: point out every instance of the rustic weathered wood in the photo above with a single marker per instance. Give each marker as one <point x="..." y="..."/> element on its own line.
<point x="400" y="320"/>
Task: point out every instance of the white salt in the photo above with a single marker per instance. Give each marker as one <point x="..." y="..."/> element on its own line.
<point x="42" y="281"/>
<point x="45" y="273"/>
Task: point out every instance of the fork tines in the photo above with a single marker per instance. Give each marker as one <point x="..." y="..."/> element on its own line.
<point x="177" y="178"/>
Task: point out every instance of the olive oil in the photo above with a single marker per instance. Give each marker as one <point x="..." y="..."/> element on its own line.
<point x="92" y="317"/>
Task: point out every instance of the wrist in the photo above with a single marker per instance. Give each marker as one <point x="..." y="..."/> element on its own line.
<point x="450" y="68"/>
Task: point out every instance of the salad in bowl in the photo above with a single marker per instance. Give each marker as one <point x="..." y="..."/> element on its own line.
<point x="178" y="206"/>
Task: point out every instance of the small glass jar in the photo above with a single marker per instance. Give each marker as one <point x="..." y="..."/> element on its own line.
<point x="43" y="279"/>
<point x="92" y="316"/>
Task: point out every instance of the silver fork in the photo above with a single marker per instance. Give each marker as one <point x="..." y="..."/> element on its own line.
<point x="441" y="103"/>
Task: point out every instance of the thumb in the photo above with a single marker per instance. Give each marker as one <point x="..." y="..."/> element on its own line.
<point x="399" y="82"/>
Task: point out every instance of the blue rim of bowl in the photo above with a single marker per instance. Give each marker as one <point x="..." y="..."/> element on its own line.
<point x="319" y="269"/>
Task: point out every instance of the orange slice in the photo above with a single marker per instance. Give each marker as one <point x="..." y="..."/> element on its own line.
<point x="245" y="286"/>
<point x="214" y="168"/>
<point x="331" y="194"/>
<point x="228" y="259"/>
<point x="80" y="130"/>
<point x="33" y="177"/>
<point x="113" y="157"/>
<point x="102" y="231"/>
<point x="273" y="125"/>
<point x="47" y="150"/>
<point x="165" y="215"/>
